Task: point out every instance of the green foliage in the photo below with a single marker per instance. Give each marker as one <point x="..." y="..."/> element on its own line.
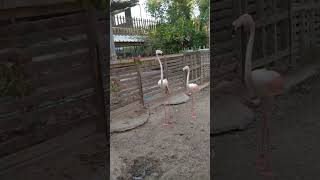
<point x="114" y="86"/>
<point x="172" y="38"/>
<point x="178" y="29"/>
<point x="169" y="10"/>
<point x="204" y="13"/>
<point x="12" y="82"/>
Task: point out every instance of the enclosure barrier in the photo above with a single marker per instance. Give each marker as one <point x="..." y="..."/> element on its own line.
<point x="49" y="76"/>
<point x="286" y="31"/>
<point x="137" y="80"/>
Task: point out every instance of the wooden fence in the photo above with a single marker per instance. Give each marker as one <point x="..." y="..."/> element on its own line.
<point x="132" y="26"/>
<point x="59" y="64"/>
<point x="137" y="81"/>
<point x="282" y="30"/>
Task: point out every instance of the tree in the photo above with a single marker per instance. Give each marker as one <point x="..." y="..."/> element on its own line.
<point x="178" y="29"/>
<point x="204" y="12"/>
<point x="170" y="10"/>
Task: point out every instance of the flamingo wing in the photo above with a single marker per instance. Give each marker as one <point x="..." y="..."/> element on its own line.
<point x="267" y="82"/>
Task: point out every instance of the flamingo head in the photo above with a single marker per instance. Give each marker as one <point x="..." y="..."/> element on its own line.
<point x="185" y="68"/>
<point x="245" y="21"/>
<point x="159" y="52"/>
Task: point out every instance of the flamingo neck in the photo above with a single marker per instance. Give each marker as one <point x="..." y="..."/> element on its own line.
<point x="188" y="76"/>
<point x="248" y="58"/>
<point x="161" y="70"/>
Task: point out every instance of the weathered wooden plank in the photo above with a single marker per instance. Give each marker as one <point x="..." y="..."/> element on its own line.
<point x="123" y="69"/>
<point x="223" y="24"/>
<point x="43" y="25"/>
<point x="11" y="122"/>
<point x="154" y="89"/>
<point x="7" y="43"/>
<point x="224" y="58"/>
<point x="51" y="64"/>
<point x="43" y="95"/>
<point x="272" y="19"/>
<point x="224" y="35"/>
<point x="23" y="12"/>
<point x="223" y="47"/>
<point x="63" y="33"/>
<point x="307" y="6"/>
<point x="216" y="6"/>
<point x="52" y="130"/>
<point x="130" y="90"/>
<point x="55" y="47"/>
<point x="5" y="54"/>
<point x="67" y="75"/>
<point x="225" y="69"/>
<point x="269" y="59"/>
<point x="226" y="13"/>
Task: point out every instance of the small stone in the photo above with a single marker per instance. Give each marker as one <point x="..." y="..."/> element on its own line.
<point x="155" y="174"/>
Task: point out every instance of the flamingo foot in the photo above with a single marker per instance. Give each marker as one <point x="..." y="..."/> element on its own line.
<point x="267" y="172"/>
<point x="194" y="116"/>
<point x="252" y="102"/>
<point x="167" y="124"/>
<point x="261" y="162"/>
<point x="264" y="167"/>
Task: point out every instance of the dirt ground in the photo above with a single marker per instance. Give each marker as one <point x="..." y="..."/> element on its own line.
<point x="295" y="132"/>
<point x="179" y="152"/>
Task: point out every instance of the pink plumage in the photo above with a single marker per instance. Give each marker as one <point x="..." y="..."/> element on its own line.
<point x="265" y="84"/>
<point x="192" y="88"/>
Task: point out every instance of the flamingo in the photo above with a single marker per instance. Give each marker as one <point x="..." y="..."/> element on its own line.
<point x="164" y="85"/>
<point x="265" y="84"/>
<point x="192" y="88"/>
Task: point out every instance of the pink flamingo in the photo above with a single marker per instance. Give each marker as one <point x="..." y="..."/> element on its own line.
<point x="265" y="84"/>
<point x="163" y="84"/>
<point x="192" y="88"/>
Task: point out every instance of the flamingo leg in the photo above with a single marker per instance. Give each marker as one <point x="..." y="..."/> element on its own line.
<point x="167" y="121"/>
<point x="169" y="110"/>
<point x="261" y="159"/>
<point x="266" y="171"/>
<point x="194" y="116"/>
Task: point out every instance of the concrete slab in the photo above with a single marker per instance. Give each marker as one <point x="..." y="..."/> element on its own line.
<point x="229" y="114"/>
<point x="179" y="98"/>
<point x="299" y="76"/>
<point x="126" y="123"/>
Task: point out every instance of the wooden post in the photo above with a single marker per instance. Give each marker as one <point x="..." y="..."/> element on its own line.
<point x="96" y="58"/>
<point x="200" y="60"/>
<point x="184" y="74"/>
<point x="292" y="59"/>
<point x="237" y="45"/>
<point x="166" y="67"/>
<point x="137" y="64"/>
<point x="260" y="9"/>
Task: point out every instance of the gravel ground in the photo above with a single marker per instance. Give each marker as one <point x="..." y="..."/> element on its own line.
<point x="295" y="132"/>
<point x="180" y="152"/>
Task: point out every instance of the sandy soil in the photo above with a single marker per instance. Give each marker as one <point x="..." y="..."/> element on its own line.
<point x="180" y="152"/>
<point x="295" y="132"/>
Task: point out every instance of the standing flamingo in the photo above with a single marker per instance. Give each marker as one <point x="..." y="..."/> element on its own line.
<point x="265" y="84"/>
<point x="163" y="84"/>
<point x="192" y="88"/>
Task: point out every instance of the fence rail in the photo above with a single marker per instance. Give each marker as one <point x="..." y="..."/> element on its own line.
<point x="286" y="31"/>
<point x="58" y="67"/>
<point x="136" y="80"/>
<point x="132" y="26"/>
